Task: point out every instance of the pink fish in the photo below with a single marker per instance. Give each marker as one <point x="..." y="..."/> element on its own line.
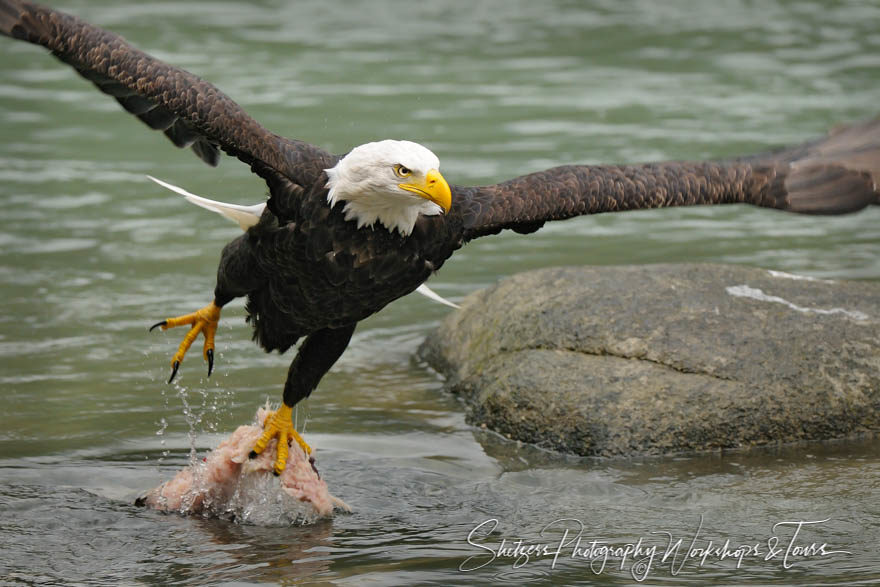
<point x="228" y="484"/>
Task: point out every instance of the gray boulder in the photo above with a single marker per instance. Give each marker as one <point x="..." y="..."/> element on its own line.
<point x="664" y="358"/>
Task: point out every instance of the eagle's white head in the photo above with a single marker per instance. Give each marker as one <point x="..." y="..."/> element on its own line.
<point x="391" y="182"/>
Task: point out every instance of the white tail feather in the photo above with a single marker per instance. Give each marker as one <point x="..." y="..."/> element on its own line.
<point x="245" y="216"/>
<point x="432" y="295"/>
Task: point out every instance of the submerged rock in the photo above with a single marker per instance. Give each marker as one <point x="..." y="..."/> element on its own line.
<point x="664" y="358"/>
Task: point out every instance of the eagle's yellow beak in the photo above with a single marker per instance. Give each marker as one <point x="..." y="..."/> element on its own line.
<point x="434" y="189"/>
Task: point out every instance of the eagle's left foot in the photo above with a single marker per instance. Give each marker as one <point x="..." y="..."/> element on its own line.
<point x="280" y="424"/>
<point x="204" y="321"/>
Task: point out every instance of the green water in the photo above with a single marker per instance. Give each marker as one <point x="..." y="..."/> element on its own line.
<point x="91" y="254"/>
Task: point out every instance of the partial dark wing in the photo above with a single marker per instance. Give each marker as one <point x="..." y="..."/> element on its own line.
<point x="837" y="174"/>
<point x="190" y="111"/>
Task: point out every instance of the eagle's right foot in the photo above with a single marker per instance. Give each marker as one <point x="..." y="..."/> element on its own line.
<point x="204" y="321"/>
<point x="280" y="424"/>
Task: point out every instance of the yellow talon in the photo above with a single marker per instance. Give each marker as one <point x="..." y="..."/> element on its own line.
<point x="280" y="424"/>
<point x="204" y="321"/>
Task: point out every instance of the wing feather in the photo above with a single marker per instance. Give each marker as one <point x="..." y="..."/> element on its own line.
<point x="190" y="111"/>
<point x="837" y="174"/>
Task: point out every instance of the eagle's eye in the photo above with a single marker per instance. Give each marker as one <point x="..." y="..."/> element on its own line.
<point x="402" y="171"/>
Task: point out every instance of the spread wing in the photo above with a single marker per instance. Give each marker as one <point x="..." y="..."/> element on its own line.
<point x="836" y="174"/>
<point x="190" y="111"/>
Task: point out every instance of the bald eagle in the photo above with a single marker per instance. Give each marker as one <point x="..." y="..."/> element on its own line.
<point x="340" y="237"/>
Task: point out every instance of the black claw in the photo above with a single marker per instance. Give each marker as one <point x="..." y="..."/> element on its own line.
<point x="314" y="468"/>
<point x="162" y="323"/>
<point x="276" y="473"/>
<point x="253" y="454"/>
<point x="210" y="354"/>
<point x="174" y="369"/>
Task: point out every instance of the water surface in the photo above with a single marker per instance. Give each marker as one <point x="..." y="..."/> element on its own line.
<point x="91" y="254"/>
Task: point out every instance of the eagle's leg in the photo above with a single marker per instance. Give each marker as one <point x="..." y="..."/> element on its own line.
<point x="204" y="321"/>
<point x="315" y="357"/>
